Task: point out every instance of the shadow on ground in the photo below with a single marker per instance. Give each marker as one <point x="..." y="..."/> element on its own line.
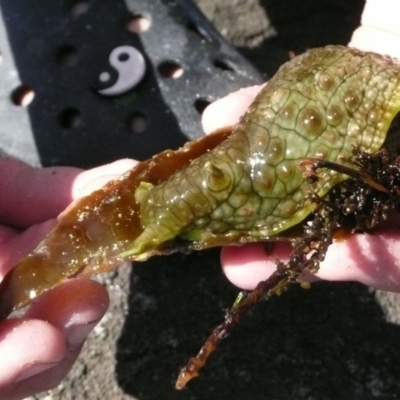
<point x="331" y="342"/>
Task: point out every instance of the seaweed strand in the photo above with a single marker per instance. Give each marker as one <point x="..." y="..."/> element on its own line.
<point x="306" y="256"/>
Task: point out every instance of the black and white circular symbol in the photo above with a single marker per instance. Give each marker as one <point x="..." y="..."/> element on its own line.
<point x="130" y="66"/>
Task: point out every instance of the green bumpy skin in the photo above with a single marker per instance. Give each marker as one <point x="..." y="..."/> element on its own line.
<point x="319" y="105"/>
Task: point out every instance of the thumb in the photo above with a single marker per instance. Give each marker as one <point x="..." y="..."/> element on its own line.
<point x="40" y="349"/>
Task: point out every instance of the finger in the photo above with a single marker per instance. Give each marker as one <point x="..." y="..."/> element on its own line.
<point x="228" y="110"/>
<point x="15" y="245"/>
<point x="369" y="259"/>
<point x="247" y="265"/>
<point x="93" y="179"/>
<point x="72" y="309"/>
<point x="41" y="381"/>
<point x="369" y="38"/>
<point x="379" y="30"/>
<point x="31" y="195"/>
<point x="383" y="14"/>
<point x="27" y="347"/>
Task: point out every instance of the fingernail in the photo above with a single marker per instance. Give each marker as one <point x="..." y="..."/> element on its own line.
<point x="34" y="369"/>
<point x="76" y="334"/>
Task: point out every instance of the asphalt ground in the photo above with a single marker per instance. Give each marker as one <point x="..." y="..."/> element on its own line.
<point x="335" y="341"/>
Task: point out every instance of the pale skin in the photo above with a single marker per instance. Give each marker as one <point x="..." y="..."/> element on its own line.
<point x="38" y="350"/>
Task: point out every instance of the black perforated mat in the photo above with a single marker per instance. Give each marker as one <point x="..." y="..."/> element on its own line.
<point x="58" y="52"/>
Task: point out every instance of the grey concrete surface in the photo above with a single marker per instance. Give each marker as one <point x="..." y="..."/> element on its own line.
<point x="333" y="342"/>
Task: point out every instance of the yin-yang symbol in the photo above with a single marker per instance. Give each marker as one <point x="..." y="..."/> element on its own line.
<point x="130" y="66"/>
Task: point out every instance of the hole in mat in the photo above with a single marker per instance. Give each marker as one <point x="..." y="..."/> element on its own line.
<point x="196" y="30"/>
<point x="138" y="23"/>
<point x="70" y="118"/>
<point x="78" y="7"/>
<point x="22" y="96"/>
<point x="170" y="69"/>
<point x="201" y="103"/>
<point x="66" y="56"/>
<point x="137" y="122"/>
<point x="224" y="65"/>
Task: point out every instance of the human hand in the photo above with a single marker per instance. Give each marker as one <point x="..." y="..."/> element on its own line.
<point x="379" y="30"/>
<point x="38" y="350"/>
<point x="369" y="259"/>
